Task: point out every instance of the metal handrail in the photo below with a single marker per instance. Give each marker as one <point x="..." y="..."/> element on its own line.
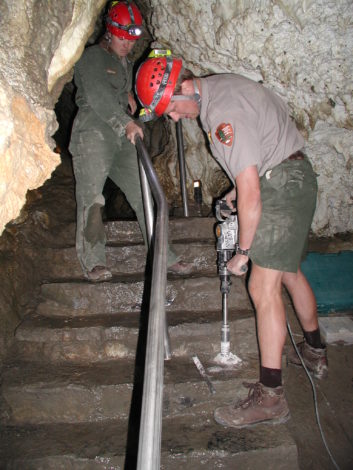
<point x="180" y="143"/>
<point x="149" y="450"/>
<point x="149" y="218"/>
<point x="147" y="203"/>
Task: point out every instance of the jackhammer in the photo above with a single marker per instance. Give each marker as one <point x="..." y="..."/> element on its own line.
<point x="227" y="237"/>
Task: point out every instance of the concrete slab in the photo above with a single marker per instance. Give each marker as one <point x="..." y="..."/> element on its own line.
<point x="337" y="329"/>
<point x="128" y="232"/>
<point x="62" y="263"/>
<point x="95" y="339"/>
<point x="186" y="444"/>
<point x="88" y="396"/>
<point x="200" y="294"/>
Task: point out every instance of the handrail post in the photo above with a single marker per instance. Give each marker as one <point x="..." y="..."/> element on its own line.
<point x="149" y="451"/>
<point x="180" y="143"/>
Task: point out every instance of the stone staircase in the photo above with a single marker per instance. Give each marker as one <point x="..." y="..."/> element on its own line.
<point x="71" y="392"/>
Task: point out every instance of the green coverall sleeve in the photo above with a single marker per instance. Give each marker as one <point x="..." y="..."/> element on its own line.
<point x="104" y="93"/>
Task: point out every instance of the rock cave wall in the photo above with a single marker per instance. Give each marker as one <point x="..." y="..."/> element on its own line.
<point x="301" y="49"/>
<point x="39" y="43"/>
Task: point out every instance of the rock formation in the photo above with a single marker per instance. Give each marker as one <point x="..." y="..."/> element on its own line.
<point x="298" y="48"/>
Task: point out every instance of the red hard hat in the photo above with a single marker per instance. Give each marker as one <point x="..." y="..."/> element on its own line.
<point x="124" y="20"/>
<point x="156" y="79"/>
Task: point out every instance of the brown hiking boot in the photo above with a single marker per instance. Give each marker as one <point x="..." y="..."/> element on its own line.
<point x="264" y="405"/>
<point x="99" y="274"/>
<point x="315" y="359"/>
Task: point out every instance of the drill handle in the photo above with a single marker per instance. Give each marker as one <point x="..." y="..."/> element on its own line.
<point x="223" y="211"/>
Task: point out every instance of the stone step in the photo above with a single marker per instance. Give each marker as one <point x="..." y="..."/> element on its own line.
<point x="42" y="394"/>
<point x="62" y="263"/>
<point x="95" y="339"/>
<point x="201" y="294"/>
<point x="121" y="232"/>
<point x="207" y="445"/>
<point x="186" y="444"/>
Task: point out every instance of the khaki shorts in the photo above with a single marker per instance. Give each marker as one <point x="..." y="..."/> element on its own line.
<point x="288" y="194"/>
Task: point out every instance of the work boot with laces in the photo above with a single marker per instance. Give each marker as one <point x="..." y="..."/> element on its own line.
<point x="264" y="405"/>
<point x="99" y="274"/>
<point x="315" y="359"/>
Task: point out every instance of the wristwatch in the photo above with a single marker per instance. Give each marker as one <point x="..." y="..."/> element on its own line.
<point x="240" y="251"/>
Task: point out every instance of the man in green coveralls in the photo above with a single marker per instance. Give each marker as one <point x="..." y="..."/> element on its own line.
<point x="103" y="135"/>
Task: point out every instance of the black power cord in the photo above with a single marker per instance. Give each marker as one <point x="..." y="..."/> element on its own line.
<point x="315" y="397"/>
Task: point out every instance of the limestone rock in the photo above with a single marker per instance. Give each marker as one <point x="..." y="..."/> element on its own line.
<point x="300" y="49"/>
<point x="39" y="43"/>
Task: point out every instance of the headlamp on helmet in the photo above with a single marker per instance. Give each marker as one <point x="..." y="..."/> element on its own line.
<point x="146" y="115"/>
<point x="159" y="53"/>
<point x="124" y="20"/>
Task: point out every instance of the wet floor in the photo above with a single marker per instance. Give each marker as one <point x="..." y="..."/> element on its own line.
<point x="334" y="398"/>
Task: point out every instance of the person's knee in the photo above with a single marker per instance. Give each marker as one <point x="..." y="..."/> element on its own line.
<point x="258" y="293"/>
<point x="264" y="286"/>
<point x="94" y="229"/>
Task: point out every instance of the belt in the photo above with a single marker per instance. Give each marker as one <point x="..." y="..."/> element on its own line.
<point x="298" y="155"/>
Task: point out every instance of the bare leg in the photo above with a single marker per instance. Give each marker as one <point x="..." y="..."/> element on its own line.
<point x="265" y="402"/>
<point x="303" y="299"/>
<point x="265" y="288"/>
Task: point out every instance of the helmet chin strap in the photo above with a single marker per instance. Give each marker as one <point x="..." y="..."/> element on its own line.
<point x="195" y="97"/>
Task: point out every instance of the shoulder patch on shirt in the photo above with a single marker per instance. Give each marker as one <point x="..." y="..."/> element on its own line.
<point x="225" y="134"/>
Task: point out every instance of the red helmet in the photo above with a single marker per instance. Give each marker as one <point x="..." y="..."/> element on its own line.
<point x="156" y="79"/>
<point x="124" y="20"/>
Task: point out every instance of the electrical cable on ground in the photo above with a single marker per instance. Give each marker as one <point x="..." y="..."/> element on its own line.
<point x="315" y="397"/>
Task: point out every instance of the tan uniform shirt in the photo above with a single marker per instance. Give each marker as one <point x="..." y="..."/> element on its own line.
<point x="246" y="124"/>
